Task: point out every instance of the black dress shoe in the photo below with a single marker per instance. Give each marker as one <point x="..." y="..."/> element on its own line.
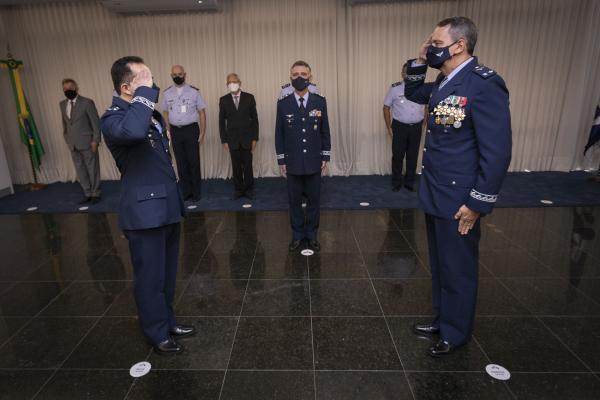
<point x="441" y="349"/>
<point x="314" y="244"/>
<point x="426" y="329"/>
<point x="85" y="200"/>
<point x="169" y="346"/>
<point x="294" y="245"/>
<point x="95" y="200"/>
<point x="188" y="197"/>
<point x="410" y="188"/>
<point x="396" y="188"/>
<point x="181" y="331"/>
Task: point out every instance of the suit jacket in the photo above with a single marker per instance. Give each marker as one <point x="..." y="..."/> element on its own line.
<point x="302" y="139"/>
<point x="84" y="125"/>
<point x="238" y="127"/>
<point x="150" y="197"/>
<point x="463" y="163"/>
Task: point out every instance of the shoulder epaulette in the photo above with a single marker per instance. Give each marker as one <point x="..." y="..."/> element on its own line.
<point x="285" y="97"/>
<point x="114" y="108"/>
<point x="484" y="71"/>
<point x="396" y="84"/>
<point x="286" y="85"/>
<point x="318" y="95"/>
<point x="194" y="87"/>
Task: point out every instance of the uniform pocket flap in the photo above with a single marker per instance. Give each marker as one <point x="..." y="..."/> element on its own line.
<point x="150" y="192"/>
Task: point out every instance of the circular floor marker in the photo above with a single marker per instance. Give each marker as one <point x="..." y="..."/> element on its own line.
<point x="497" y="372"/>
<point x="307" y="252"/>
<point x="546" y="202"/>
<point x="32" y="209"/>
<point x="83" y="208"/>
<point x="247" y="205"/>
<point x="365" y="204"/>
<point x="140" y="369"/>
<point x="526" y="170"/>
<point x="191" y="207"/>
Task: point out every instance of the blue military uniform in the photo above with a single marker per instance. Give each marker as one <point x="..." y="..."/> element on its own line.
<point x="467" y="153"/>
<point x="302" y="141"/>
<point x="150" y="207"/>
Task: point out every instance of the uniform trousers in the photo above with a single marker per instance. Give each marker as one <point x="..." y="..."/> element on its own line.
<point x="187" y="156"/>
<point x="304" y="226"/>
<point x="405" y="143"/>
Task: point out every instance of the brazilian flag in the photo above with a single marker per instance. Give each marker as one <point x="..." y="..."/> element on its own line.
<point x="28" y="130"/>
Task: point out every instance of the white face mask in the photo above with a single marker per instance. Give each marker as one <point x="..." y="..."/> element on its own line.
<point x="233" y="87"/>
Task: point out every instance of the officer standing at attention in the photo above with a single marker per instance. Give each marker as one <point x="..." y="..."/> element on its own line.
<point x="405" y="131"/>
<point x="288" y="89"/>
<point x="183" y="108"/>
<point x="303" y="146"/>
<point x="151" y="205"/>
<point x="465" y="159"/>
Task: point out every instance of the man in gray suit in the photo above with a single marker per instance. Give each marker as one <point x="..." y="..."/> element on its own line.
<point x="81" y="129"/>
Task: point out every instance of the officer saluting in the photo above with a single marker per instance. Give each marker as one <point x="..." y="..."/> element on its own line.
<point x="303" y="147"/>
<point x="288" y="89"/>
<point x="151" y="206"/>
<point x="184" y="107"/>
<point x="466" y="156"/>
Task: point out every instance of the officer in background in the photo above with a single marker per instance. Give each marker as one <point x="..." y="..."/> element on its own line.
<point x="151" y="206"/>
<point x="288" y="89"/>
<point x="405" y="132"/>
<point x="465" y="159"/>
<point x="183" y="108"/>
<point x="303" y="146"/>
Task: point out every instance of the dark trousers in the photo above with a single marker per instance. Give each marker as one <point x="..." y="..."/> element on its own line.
<point x="241" y="162"/>
<point x="454" y="261"/>
<point x="187" y="155"/>
<point x="304" y="226"/>
<point x="154" y="255"/>
<point x="405" y="142"/>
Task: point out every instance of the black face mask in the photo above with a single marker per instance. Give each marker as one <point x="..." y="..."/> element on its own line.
<point x="178" y="80"/>
<point x="70" y="94"/>
<point x="300" y="83"/>
<point x="437" y="56"/>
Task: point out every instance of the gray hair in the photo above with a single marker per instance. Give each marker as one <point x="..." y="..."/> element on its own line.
<point x="461" y="28"/>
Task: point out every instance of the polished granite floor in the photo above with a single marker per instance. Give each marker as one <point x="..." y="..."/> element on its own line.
<point x="274" y="325"/>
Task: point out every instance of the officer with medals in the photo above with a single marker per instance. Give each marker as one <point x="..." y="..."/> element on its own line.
<point x="465" y="159"/>
<point x="303" y="146"/>
<point x="151" y="205"/>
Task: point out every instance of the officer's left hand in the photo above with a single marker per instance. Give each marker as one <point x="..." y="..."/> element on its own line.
<point x="93" y="146"/>
<point x="253" y="145"/>
<point x="467" y="218"/>
<point x="323" y="166"/>
<point x="201" y="138"/>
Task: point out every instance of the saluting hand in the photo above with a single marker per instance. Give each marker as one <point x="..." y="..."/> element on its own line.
<point x="422" y="58"/>
<point x="467" y="219"/>
<point x="143" y="76"/>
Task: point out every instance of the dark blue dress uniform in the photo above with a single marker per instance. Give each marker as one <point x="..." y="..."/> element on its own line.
<point x="467" y="153"/>
<point x="150" y="208"/>
<point x="303" y="141"/>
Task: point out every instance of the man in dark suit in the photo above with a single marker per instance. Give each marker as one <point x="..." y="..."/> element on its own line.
<point x="151" y="205"/>
<point x="467" y="153"/>
<point x="303" y="145"/>
<point x="238" y="126"/>
<point x="81" y="130"/>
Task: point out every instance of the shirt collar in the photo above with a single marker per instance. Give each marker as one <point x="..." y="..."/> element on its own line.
<point x="458" y="69"/>
<point x="305" y="97"/>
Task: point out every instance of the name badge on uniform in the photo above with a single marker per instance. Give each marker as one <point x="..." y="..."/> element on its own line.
<point x="183" y="109"/>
